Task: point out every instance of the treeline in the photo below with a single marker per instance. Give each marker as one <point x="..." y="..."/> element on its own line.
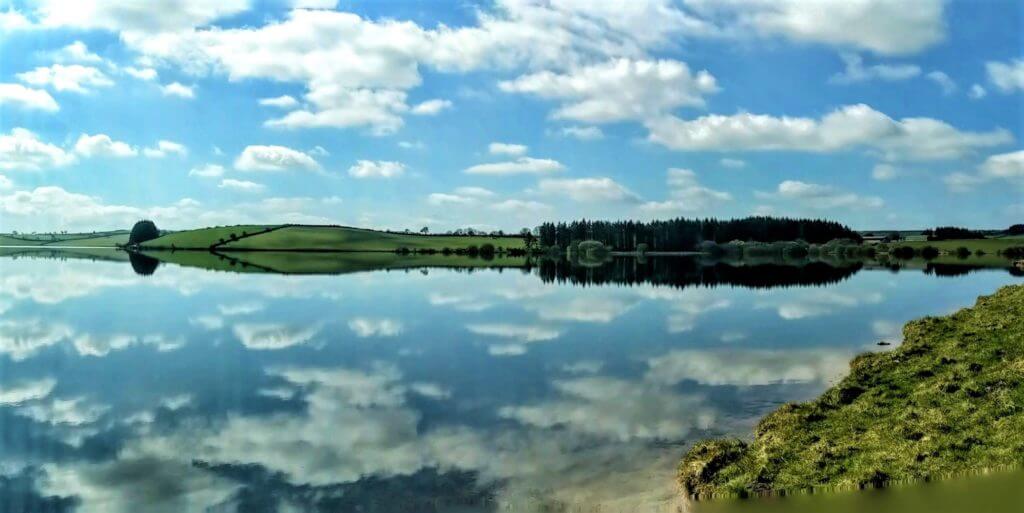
<point x="953" y="233"/>
<point x="687" y="234"/>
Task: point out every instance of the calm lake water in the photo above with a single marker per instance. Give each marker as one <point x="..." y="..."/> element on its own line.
<point x="413" y="390"/>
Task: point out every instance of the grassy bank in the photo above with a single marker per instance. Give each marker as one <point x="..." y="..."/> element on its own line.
<point x="319" y="238"/>
<point x="949" y="401"/>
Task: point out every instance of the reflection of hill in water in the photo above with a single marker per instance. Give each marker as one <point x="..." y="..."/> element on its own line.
<point x="687" y="272"/>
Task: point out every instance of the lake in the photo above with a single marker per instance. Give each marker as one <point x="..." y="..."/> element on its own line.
<point x="131" y="386"/>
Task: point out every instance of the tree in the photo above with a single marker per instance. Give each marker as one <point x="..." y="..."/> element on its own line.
<point x="143" y="231"/>
<point x="1017" y="229"/>
<point x="425" y="230"/>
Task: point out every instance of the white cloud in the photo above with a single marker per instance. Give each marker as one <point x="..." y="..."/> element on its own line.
<point x="583" y="133"/>
<point x="314" y="4"/>
<point x="947" y="84"/>
<point x="338" y="107"/>
<point x="856" y="71"/>
<point x="178" y="89"/>
<point x="74" y="77"/>
<point x="281" y="102"/>
<point x="588" y="189"/>
<point x="11" y="20"/>
<point x="439" y="199"/>
<point x="274" y="158"/>
<point x="962" y="182"/>
<point x="886" y="27"/>
<point x="686" y="194"/>
<point x="475" y="192"/>
<point x="977" y="92"/>
<point x="207" y="171"/>
<point x="1006" y="165"/>
<point x="365" y="327"/>
<point x="27" y="98"/>
<point x="431" y="107"/>
<point x="241" y="185"/>
<point x="431" y="390"/>
<point x="376" y="169"/>
<point x="849" y="127"/>
<point x="519" y="332"/>
<point x="268" y="336"/>
<point x="23" y="150"/>
<point x="134" y="16"/>
<point x="807" y="304"/>
<point x="733" y="163"/>
<point x="21" y="339"/>
<point x="147" y="74"/>
<point x="75" y="52"/>
<point x="1006" y="76"/>
<point x="748" y="367"/>
<point x="618" y="90"/>
<point x="499" y="148"/>
<point x="5" y="185"/>
<point x="164" y="148"/>
<point x="101" y="145"/>
<point x="883" y="172"/>
<point x="522" y="165"/>
<point x="520" y="206"/>
<point x="24" y="391"/>
<point x="817" y="196"/>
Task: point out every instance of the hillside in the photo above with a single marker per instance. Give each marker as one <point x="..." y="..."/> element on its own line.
<point x="93" y="239"/>
<point x="318" y="238"/>
<point x="946" y="402"/>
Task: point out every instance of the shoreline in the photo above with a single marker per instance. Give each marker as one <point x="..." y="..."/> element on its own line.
<point x="947" y="402"/>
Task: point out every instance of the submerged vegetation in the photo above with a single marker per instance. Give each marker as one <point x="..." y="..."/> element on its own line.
<point x="949" y="401"/>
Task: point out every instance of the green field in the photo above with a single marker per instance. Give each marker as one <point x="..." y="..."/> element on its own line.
<point x="101" y="239"/>
<point x="989" y="245"/>
<point x="318" y="238"/>
<point x="948" y="401"/>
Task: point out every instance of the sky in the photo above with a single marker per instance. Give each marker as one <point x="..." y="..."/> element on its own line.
<point x="504" y="114"/>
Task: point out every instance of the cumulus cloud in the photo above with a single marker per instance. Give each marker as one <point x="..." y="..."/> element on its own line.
<point x="846" y="128"/>
<point x="74" y="52"/>
<point x="885" y="27"/>
<point x="818" y="196"/>
<point x="281" y="102"/>
<point x="365" y="327"/>
<point x="686" y="194"/>
<point x="748" y="367"/>
<point x="856" y="71"/>
<point x="22" y="150"/>
<point x="588" y="189"/>
<point x="73" y="78"/>
<point x="273" y="336"/>
<point x="20" y="392"/>
<point x="101" y="145"/>
<point x="515" y="335"/>
<point x="27" y="98"/>
<point x="431" y="107"/>
<point x="977" y="92"/>
<point x="1004" y="166"/>
<point x="1008" y="77"/>
<point x="618" y="90"/>
<point x="274" y="158"/>
<point x="131" y="16"/>
<point x="23" y="338"/>
<point x="164" y="148"/>
<point x="178" y="89"/>
<point x="944" y="82"/>
<point x="520" y="206"/>
<point x="583" y="133"/>
<point x="733" y="163"/>
<point x="499" y="148"/>
<point x="376" y="169"/>
<point x="241" y="185"/>
<point x="147" y="74"/>
<point x="521" y="165"/>
<point x="207" y="171"/>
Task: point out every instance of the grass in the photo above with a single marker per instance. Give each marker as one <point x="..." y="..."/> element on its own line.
<point x="319" y="238"/>
<point x="990" y="245"/>
<point x="59" y="252"/>
<point x="949" y="401"/>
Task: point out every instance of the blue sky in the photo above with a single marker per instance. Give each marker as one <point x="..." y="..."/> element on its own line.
<point x="500" y="115"/>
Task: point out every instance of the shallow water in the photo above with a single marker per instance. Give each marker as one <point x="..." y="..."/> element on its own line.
<point x="412" y="390"/>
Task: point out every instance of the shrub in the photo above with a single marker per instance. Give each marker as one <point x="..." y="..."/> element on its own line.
<point x="487" y="251"/>
<point x="903" y="252"/>
<point x="929" y="252"/>
<point x="1014" y="252"/>
<point x="962" y="252"/>
<point x="473" y="250"/>
<point x="1017" y="229"/>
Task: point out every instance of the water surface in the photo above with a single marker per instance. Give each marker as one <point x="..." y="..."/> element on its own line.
<point x="128" y="386"/>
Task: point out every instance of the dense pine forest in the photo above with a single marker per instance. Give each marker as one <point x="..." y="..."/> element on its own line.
<point x="686" y="234"/>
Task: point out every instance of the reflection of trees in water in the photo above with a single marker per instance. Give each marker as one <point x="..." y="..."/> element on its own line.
<point x="685" y="272"/>
<point x="142" y="264"/>
<point x="427" y="490"/>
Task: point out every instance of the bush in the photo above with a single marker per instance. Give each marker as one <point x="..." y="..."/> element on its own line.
<point x="903" y="252"/>
<point x="487" y="251"/>
<point x="1014" y="252"/>
<point x="962" y="252"/>
<point x="473" y="251"/>
<point x="929" y="252"/>
<point x="1017" y="229"/>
